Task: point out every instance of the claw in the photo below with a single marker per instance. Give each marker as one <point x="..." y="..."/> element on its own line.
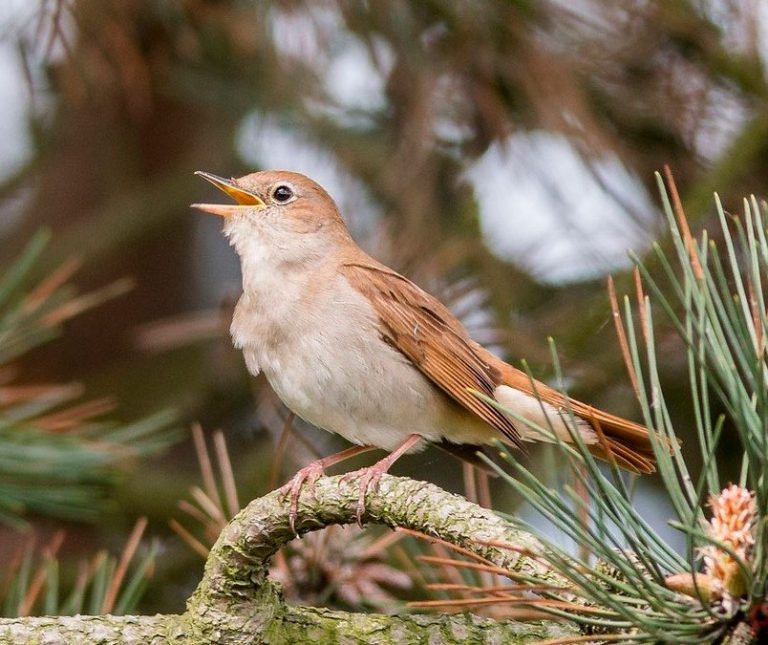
<point x="309" y="475"/>
<point x="368" y="481"/>
<point x="306" y="476"/>
<point x="370" y="477"/>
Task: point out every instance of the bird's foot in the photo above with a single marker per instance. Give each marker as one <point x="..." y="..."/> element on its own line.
<point x="307" y="476"/>
<point x="368" y="480"/>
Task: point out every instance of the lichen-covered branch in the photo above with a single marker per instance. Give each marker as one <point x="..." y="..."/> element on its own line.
<point x="236" y="603"/>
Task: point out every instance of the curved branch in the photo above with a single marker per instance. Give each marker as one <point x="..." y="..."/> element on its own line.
<point x="236" y="603"/>
<point x="238" y="564"/>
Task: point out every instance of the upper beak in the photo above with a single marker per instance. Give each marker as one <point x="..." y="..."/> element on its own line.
<point x="245" y="199"/>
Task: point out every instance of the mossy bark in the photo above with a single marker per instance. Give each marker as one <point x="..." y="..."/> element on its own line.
<point x="236" y="603"/>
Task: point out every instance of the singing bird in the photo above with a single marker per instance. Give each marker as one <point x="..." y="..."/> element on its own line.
<point x="355" y="348"/>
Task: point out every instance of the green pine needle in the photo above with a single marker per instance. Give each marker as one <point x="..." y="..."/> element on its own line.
<point x="58" y="456"/>
<point x="713" y="294"/>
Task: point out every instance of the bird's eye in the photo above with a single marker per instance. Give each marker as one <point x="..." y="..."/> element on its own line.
<point x="282" y="193"/>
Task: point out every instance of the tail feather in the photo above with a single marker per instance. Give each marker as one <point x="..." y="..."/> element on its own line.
<point x="620" y="440"/>
<point x="610" y="449"/>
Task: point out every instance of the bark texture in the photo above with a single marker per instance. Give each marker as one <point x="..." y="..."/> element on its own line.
<point x="236" y="603"/>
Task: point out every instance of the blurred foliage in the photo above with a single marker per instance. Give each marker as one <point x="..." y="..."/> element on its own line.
<point x="627" y="578"/>
<point x="337" y="567"/>
<point x="57" y="457"/>
<point x="628" y="583"/>
<point x="398" y="101"/>
<point x="32" y="582"/>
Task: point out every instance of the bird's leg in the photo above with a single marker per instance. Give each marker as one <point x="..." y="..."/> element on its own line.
<point x="369" y="477"/>
<point x="309" y="475"/>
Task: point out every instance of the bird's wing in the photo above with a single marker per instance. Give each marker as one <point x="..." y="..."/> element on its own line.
<point x="423" y="329"/>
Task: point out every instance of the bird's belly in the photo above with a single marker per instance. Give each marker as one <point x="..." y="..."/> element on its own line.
<point x="331" y="367"/>
<point x="368" y="393"/>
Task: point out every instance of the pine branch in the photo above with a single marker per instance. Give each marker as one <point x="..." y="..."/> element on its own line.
<point x="32" y="584"/>
<point x="236" y="603"/>
<point x="57" y="453"/>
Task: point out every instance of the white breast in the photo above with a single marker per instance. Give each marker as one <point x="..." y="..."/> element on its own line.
<point x="322" y="354"/>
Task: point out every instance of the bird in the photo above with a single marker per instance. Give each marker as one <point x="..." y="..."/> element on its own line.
<point x="355" y="348"/>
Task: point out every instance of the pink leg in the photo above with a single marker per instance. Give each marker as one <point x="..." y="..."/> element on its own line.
<point x="309" y="475"/>
<point x="369" y="477"/>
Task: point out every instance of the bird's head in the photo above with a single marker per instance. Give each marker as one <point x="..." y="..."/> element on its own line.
<point x="277" y="213"/>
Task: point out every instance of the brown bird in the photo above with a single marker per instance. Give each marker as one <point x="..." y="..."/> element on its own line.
<point x="355" y="348"/>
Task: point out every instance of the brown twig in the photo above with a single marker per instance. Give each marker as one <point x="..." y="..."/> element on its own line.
<point x="196" y="545"/>
<point x="623" y="344"/>
<point x="227" y="475"/>
<point x="459" y="564"/>
<point x="122" y="567"/>
<point x="50" y="551"/>
<point x="682" y="220"/>
<point x="206" y="469"/>
<point x="208" y="505"/>
<point x="587" y="638"/>
<point x="436" y="540"/>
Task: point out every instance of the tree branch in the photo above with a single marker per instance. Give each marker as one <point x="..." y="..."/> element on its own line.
<point x="236" y="603"/>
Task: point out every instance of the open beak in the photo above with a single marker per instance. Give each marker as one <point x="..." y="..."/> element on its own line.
<point x="245" y="199"/>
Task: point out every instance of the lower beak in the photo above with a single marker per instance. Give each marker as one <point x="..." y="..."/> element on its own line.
<point x="246" y="200"/>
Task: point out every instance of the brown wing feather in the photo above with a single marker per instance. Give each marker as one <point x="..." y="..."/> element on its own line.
<point x="420" y="327"/>
<point x="423" y="329"/>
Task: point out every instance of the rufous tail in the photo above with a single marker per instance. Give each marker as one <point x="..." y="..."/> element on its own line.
<point x="619" y="440"/>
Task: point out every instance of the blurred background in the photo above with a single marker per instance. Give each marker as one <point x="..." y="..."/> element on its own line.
<point x="501" y="153"/>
